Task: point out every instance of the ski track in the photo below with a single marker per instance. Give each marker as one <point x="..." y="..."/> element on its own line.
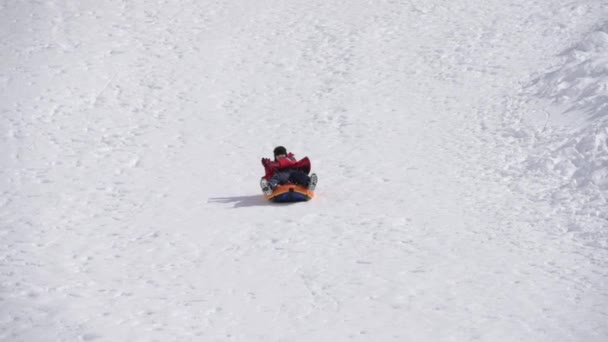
<point x="131" y="139"/>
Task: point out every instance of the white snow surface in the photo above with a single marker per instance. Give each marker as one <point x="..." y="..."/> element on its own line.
<point x="461" y="148"/>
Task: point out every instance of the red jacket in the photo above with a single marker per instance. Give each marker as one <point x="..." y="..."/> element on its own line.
<point x="289" y="162"/>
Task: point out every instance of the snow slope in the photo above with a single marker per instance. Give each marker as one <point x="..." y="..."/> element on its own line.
<point x="461" y="149"/>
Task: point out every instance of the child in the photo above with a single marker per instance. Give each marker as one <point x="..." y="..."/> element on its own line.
<point x="286" y="169"/>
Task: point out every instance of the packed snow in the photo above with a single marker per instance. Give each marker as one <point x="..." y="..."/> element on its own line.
<point x="461" y="148"/>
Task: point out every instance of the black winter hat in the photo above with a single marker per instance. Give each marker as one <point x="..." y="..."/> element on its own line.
<point x="280" y="150"/>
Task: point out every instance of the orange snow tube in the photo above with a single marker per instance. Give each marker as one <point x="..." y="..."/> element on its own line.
<point x="290" y="193"/>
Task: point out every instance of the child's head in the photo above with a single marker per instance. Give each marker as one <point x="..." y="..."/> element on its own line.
<point x="279" y="152"/>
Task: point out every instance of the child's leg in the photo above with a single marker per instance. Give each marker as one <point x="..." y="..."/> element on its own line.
<point x="299" y="177"/>
<point x="278" y="178"/>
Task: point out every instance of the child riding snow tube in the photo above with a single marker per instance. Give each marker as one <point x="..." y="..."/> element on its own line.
<point x="287" y="179"/>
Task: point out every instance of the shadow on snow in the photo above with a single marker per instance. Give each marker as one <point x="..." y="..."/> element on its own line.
<point x="245" y="201"/>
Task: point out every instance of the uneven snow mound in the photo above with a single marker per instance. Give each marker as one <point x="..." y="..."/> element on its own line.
<point x="581" y="84"/>
<point x="574" y="143"/>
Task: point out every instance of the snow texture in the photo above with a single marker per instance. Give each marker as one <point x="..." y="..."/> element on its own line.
<point x="461" y="148"/>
